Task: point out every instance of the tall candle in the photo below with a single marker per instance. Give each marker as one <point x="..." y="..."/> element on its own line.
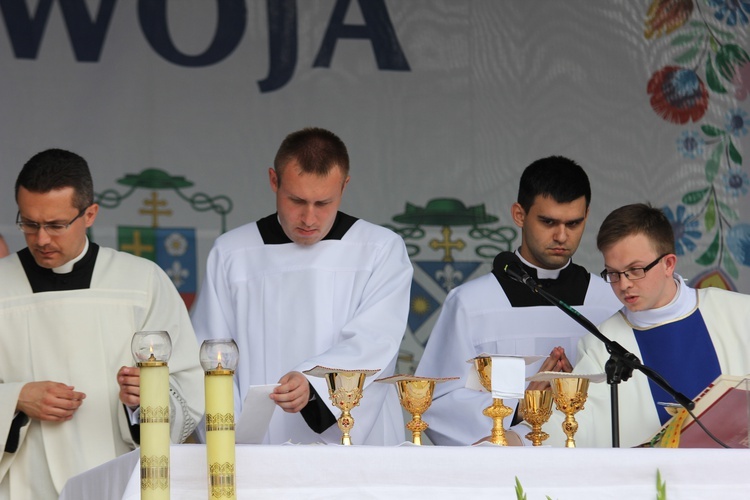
<point x="220" y="439"/>
<point x="154" y="430"/>
<point x="154" y="412"/>
<point x="220" y="433"/>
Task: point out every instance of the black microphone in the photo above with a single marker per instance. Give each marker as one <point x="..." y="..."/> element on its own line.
<point x="510" y="264"/>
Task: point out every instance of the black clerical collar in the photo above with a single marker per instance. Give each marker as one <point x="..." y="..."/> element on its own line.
<point x="273" y="234"/>
<point x="570" y="286"/>
<point x="45" y="280"/>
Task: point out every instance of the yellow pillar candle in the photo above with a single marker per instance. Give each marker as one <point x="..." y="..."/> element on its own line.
<point x="154" y="430"/>
<point x="220" y="433"/>
<point x="151" y="351"/>
<point x="219" y="359"/>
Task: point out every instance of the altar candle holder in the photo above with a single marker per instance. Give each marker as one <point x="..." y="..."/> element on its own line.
<point x="151" y="351"/>
<point x="219" y="359"/>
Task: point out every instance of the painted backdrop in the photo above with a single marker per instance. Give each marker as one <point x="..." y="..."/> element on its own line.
<point x="179" y="106"/>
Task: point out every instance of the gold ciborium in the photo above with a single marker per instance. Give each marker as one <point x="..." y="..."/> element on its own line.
<point x="415" y="394"/>
<point x="345" y="390"/>
<point x="536" y="408"/>
<point x="570" y="394"/>
<point x="497" y="411"/>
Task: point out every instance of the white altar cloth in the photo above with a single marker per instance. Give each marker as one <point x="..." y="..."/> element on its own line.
<point x="434" y="473"/>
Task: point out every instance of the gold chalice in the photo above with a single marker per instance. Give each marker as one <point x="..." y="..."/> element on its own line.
<point x="345" y="390"/>
<point x="570" y="394"/>
<point x="497" y="411"/>
<point x="536" y="408"/>
<point x="415" y="394"/>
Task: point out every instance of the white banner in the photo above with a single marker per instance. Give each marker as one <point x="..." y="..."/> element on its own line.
<point x="179" y="106"/>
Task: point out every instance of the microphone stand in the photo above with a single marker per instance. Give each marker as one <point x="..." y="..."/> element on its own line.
<point x="620" y="365"/>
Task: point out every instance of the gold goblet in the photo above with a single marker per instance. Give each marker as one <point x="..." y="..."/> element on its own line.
<point x="345" y="390"/>
<point x="570" y="394"/>
<point x="416" y="397"/>
<point x="415" y="394"/>
<point x="497" y="411"/>
<point x="536" y="409"/>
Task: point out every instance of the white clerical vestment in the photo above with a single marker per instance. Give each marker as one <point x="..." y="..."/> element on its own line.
<point x="726" y="316"/>
<point x="479" y="317"/>
<point x="81" y="338"/>
<point x="340" y="303"/>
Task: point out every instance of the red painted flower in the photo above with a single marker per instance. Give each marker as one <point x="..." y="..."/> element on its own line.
<point x="677" y="94"/>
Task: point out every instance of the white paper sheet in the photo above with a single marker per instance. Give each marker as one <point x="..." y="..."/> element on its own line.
<point x="257" y="410"/>
<point x="508" y="372"/>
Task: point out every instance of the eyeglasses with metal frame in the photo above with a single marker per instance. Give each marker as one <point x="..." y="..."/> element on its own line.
<point x="52" y="228"/>
<point x="636" y="273"/>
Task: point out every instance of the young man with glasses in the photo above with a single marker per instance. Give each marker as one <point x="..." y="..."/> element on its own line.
<point x="68" y="309"/>
<point x="688" y="336"/>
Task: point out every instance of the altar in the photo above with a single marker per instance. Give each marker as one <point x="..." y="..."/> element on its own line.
<point x="434" y="473"/>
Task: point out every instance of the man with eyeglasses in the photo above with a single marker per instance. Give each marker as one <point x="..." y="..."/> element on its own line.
<point x="688" y="336"/>
<point x="68" y="310"/>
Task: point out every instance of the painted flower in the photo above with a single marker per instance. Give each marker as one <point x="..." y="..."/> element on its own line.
<point x="736" y="123"/>
<point x="731" y="10"/>
<point x="736" y="182"/>
<point x="741" y="82"/>
<point x="738" y="242"/>
<point x="176" y="244"/>
<point x="678" y="94"/>
<point x="665" y="16"/>
<point x="690" y="144"/>
<point x="685" y="229"/>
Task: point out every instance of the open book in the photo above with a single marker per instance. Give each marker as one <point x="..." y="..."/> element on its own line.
<point x="723" y="408"/>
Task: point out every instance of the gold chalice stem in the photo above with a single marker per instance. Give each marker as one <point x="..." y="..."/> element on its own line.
<point x="570" y="426"/>
<point x="536" y="436"/>
<point x="497" y="412"/>
<point x="416" y="425"/>
<point x="346" y="422"/>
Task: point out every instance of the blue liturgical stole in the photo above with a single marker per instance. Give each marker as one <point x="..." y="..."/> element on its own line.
<point x="682" y="353"/>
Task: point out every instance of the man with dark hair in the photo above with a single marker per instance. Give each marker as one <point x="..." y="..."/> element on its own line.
<point x="496" y="315"/>
<point x="688" y="336"/>
<point x="68" y="310"/>
<point x="311" y="286"/>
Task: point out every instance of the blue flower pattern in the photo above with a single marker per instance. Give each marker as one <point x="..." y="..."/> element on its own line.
<point x="685" y="228"/>
<point x="690" y="144"/>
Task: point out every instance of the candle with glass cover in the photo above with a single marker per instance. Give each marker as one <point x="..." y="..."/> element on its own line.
<point x="219" y="359"/>
<point x="151" y="351"/>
